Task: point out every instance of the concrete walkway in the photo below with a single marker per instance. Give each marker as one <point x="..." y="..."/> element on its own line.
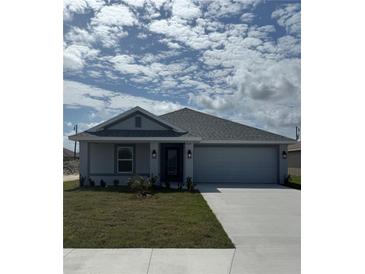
<point x="148" y="261"/>
<point x="71" y="177"/>
<point x="264" y="224"/>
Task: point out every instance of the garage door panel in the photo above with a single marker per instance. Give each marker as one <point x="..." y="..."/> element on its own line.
<point x="241" y="164"/>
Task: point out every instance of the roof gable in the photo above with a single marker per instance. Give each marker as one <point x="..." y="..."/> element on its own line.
<point x="125" y="121"/>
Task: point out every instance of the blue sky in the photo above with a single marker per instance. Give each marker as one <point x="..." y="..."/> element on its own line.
<point x="238" y="59"/>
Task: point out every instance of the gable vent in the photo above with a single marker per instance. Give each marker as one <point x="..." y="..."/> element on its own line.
<point x="138" y="121"/>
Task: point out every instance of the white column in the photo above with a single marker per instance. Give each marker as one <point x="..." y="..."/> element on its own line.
<point x="154" y="162"/>
<point x="84" y="155"/>
<point x="188" y="162"/>
<point x="283" y="164"/>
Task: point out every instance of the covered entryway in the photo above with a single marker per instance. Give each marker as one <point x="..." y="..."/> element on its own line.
<point x="172" y="162"/>
<point x="236" y="164"/>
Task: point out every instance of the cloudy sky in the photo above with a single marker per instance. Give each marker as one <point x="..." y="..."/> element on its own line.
<point x="239" y="59"/>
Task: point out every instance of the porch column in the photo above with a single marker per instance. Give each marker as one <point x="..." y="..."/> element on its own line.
<point x="154" y="162"/>
<point x="188" y="162"/>
<point x="84" y="160"/>
<point x="283" y="164"/>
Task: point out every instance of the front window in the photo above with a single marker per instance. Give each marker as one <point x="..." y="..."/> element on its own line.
<point x="125" y="160"/>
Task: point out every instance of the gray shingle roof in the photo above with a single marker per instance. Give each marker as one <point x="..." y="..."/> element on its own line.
<point x="210" y="127"/>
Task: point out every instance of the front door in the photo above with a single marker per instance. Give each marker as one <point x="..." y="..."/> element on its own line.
<point x="172" y="162"/>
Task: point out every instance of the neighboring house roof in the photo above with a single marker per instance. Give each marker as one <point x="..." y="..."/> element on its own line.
<point x="69" y="153"/>
<point x="212" y="128"/>
<point x="295" y="147"/>
<point x="184" y="124"/>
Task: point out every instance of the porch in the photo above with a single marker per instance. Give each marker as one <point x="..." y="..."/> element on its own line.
<point x="111" y="161"/>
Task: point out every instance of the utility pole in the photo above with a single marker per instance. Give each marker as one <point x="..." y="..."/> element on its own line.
<point x="75" y="128"/>
<point x="297" y="133"/>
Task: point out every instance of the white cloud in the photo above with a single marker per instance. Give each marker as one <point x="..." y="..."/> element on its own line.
<point x="185" y="9"/>
<point x="289" y="45"/>
<point x="194" y="37"/>
<point x="107" y="25"/>
<point x="261" y="79"/>
<point x="107" y="103"/>
<point x="125" y="64"/>
<point x="80" y="36"/>
<point x="76" y="56"/>
<point x="114" y="15"/>
<point x="226" y="8"/>
<point x="288" y="17"/>
<point x="247" y="17"/>
<point x="71" y="7"/>
<point x="135" y="3"/>
<point x="146" y="69"/>
<point x="264" y="93"/>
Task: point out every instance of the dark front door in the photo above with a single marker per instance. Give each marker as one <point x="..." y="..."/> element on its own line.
<point x="171" y="162"/>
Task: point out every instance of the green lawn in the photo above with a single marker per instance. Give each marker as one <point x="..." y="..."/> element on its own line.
<point x="294" y="180"/>
<point x="115" y="218"/>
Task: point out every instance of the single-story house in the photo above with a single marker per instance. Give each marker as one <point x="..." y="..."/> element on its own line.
<point x="180" y="144"/>
<point x="294" y="159"/>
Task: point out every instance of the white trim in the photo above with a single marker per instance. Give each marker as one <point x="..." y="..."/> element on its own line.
<point x="227" y="142"/>
<point x="172" y="139"/>
<point x="131" y="111"/>
<point x="133" y="139"/>
<point x="131" y="160"/>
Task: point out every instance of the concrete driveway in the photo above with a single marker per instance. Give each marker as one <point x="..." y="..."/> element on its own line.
<point x="263" y="223"/>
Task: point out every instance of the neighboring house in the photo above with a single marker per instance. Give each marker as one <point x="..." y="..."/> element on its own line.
<point x="180" y="144"/>
<point x="294" y="157"/>
<point x="68" y="154"/>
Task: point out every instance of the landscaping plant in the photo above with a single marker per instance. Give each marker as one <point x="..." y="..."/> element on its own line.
<point x="167" y="184"/>
<point x="116" y="182"/>
<point x="140" y="185"/>
<point x="102" y="183"/>
<point x="153" y="180"/>
<point x="82" y="181"/>
<point x="189" y="184"/>
<point x="91" y="182"/>
<point x="180" y="186"/>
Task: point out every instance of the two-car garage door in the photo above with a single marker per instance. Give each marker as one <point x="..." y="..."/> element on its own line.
<point x="236" y="164"/>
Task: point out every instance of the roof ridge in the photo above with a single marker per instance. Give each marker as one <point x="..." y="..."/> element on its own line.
<point x="227" y="120"/>
<point x="173" y="111"/>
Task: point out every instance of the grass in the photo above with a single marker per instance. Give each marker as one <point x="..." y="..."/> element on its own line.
<point x="115" y="218"/>
<point x="294" y="179"/>
<point x="294" y="182"/>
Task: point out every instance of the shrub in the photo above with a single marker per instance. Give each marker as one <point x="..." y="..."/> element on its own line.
<point x="91" y="182"/>
<point x="102" y="183"/>
<point x="153" y="180"/>
<point x="116" y="182"/>
<point x="180" y="185"/>
<point x="82" y="181"/>
<point x="167" y="184"/>
<point x="189" y="184"/>
<point x="140" y="185"/>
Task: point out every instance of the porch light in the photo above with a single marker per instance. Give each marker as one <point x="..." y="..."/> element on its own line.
<point x="189" y="154"/>
<point x="154" y="154"/>
<point x="285" y="155"/>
